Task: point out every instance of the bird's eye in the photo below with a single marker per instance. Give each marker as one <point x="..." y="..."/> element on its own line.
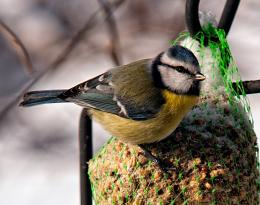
<point x="179" y="69"/>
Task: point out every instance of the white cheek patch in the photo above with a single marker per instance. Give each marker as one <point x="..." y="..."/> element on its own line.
<point x="181" y="82"/>
<point x="175" y="80"/>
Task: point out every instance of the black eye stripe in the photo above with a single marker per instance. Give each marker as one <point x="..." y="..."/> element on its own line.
<point x="180" y="69"/>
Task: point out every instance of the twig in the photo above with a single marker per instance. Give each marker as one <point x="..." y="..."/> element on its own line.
<point x="18" y="46"/>
<point x="91" y="22"/>
<point x="60" y="59"/>
<point x="113" y="32"/>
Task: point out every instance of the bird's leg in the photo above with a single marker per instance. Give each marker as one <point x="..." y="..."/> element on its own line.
<point x="150" y="156"/>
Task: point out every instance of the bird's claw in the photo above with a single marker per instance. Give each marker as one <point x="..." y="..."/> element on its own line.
<point x="157" y="161"/>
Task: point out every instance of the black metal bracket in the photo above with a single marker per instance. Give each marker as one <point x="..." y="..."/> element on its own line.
<point x="192" y="16"/>
<point x="86" y="153"/>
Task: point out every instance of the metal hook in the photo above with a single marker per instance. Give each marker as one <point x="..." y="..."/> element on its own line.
<point x="192" y="16"/>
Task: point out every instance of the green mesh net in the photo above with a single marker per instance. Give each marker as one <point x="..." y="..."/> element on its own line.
<point x="215" y="39"/>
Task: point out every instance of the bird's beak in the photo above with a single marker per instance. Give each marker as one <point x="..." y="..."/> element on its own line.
<point x="200" y="77"/>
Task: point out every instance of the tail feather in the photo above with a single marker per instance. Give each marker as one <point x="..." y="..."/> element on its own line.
<point x="41" y="97"/>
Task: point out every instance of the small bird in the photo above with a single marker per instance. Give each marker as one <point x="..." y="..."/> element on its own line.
<point x="141" y="102"/>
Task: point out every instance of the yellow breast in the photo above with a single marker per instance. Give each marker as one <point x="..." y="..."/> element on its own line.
<point x="151" y="130"/>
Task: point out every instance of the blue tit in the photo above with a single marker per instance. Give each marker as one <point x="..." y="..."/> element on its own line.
<point x="141" y="102"/>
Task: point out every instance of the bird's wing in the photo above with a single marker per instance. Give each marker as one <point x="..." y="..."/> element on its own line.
<point x="126" y="91"/>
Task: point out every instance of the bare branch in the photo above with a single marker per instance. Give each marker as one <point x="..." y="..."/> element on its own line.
<point x="90" y="23"/>
<point x="18" y="46"/>
<point x="113" y="32"/>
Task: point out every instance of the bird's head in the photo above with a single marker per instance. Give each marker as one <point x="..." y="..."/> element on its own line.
<point x="177" y="70"/>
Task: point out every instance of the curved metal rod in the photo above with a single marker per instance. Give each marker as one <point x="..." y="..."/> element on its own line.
<point x="250" y="87"/>
<point x="86" y="153"/>
<point x="228" y="15"/>
<point x="192" y="16"/>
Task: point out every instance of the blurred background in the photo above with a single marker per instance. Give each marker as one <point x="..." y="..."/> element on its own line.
<point x="39" y="146"/>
